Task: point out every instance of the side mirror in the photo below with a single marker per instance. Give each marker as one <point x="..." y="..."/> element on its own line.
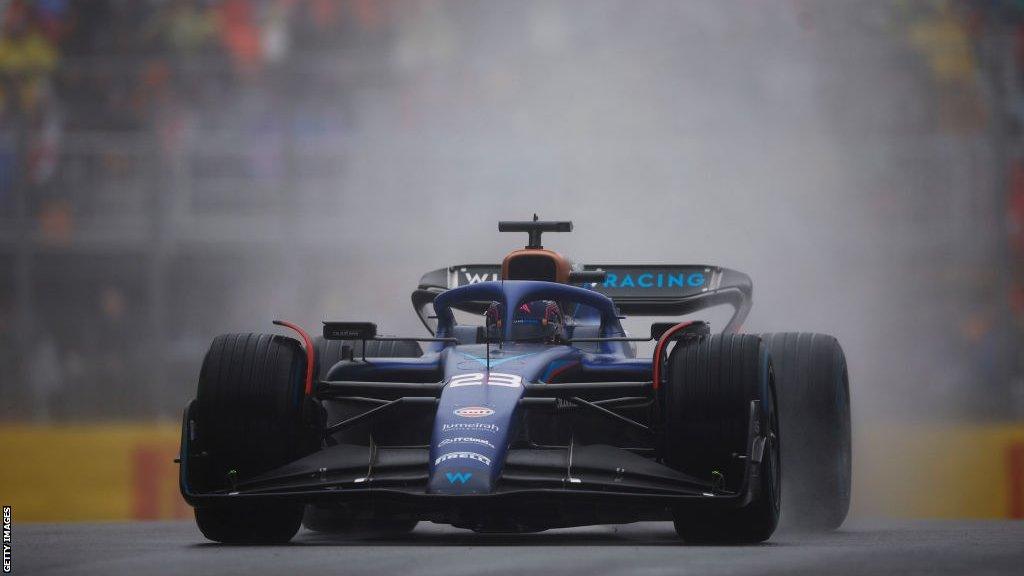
<point x="587" y="276"/>
<point x="350" y="330"/>
<point x="658" y="329"/>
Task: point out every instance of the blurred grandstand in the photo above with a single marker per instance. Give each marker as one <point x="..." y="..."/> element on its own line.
<point x="145" y="145"/>
<point x="157" y="158"/>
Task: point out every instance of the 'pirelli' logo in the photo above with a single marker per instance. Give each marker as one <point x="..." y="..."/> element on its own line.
<point x="7" y="539"/>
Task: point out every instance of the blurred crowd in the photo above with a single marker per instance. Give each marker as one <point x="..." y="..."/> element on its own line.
<point x="975" y="53"/>
<point x="73" y="72"/>
<point x="106" y="104"/>
<point x="99" y="101"/>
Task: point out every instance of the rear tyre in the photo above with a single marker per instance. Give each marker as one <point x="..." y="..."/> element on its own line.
<point x="332" y="520"/>
<point x="707" y="401"/>
<point x="328" y="352"/>
<point x="252" y="415"/>
<point x="814" y="398"/>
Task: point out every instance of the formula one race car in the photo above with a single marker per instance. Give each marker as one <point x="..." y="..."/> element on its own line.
<point x="527" y="409"/>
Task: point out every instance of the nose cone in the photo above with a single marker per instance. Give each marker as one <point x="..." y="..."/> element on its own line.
<point x="472" y="432"/>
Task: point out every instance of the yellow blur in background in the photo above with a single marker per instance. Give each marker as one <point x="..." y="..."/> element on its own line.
<point x="939" y="471"/>
<point x="91" y="472"/>
<point x="126" y="472"/>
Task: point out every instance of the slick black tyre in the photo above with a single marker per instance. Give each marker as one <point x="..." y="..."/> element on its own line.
<point x="252" y="415"/>
<point x="712" y="381"/>
<point x="249" y="524"/>
<point x="814" y="401"/>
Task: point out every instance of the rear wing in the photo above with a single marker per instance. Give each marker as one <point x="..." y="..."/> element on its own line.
<point x="636" y="289"/>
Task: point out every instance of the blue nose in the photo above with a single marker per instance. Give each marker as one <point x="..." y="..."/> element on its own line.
<point x="471" y="432"/>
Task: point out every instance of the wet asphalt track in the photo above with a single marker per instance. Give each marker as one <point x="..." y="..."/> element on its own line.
<point x="149" y="549"/>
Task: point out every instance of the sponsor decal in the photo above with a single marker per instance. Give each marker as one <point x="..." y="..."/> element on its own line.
<point x="492" y="379"/>
<point x="471" y="427"/>
<point x="655" y="280"/>
<point x="664" y="277"/>
<point x="468" y="277"/>
<point x="473" y="411"/>
<point x="463" y="456"/>
<point x="465" y="440"/>
<point x="472" y="379"/>
<point x="458" y="477"/>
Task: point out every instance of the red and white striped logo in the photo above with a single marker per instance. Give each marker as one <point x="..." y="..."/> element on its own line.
<point x="473" y="411"/>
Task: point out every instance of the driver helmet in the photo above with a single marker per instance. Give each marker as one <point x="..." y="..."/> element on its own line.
<point x="538" y="321"/>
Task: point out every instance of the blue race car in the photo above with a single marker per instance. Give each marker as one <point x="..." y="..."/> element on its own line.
<point x="526" y="409"/>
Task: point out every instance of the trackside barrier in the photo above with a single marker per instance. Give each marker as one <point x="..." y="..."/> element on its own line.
<point x="939" y="470"/>
<point x="91" y="472"/>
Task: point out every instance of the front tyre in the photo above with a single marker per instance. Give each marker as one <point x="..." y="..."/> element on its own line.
<point x="251" y="415"/>
<point x="711" y="384"/>
<point x="247" y="524"/>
